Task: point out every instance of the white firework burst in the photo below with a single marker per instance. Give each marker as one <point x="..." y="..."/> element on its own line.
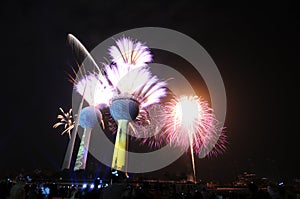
<point x="129" y="53"/>
<point x="95" y="89"/>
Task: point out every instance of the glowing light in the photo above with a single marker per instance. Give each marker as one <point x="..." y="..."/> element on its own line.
<point x="280" y="183"/>
<point x="124" y="82"/>
<point x="67" y="120"/>
<point x="218" y="148"/>
<point x="191" y="117"/>
<point x="82" y="52"/>
<point x="139" y="83"/>
<point x="95" y="89"/>
<point x="114" y="172"/>
<point x="130" y="53"/>
<point x="126" y="85"/>
<point x="192" y="124"/>
<point x="79" y="47"/>
<point x="148" y="125"/>
<point x="136" y="88"/>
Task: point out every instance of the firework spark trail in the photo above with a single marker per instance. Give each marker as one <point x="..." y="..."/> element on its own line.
<point x="193" y="114"/>
<point x="95" y="89"/>
<point x="97" y="92"/>
<point x="186" y="114"/>
<point x="127" y="87"/>
<point x="127" y="77"/>
<point x="191" y="123"/>
<point x="79" y="48"/>
<point x="130" y="54"/>
<point x="139" y="83"/>
<point x="192" y="156"/>
<point x="219" y="148"/>
<point x="148" y="125"/>
<point x="67" y="120"/>
<point x="136" y="88"/>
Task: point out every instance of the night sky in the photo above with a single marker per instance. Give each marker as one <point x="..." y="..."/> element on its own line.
<point x="254" y="46"/>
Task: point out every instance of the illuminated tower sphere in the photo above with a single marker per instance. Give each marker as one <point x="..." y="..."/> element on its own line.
<point x="124" y="108"/>
<point x="137" y="88"/>
<point x="89" y="117"/>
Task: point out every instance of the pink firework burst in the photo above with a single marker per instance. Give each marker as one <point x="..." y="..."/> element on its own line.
<point x="218" y="148"/>
<point x="191" y="118"/>
<point x="192" y="124"/>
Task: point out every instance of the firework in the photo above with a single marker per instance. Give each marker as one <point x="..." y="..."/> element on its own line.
<point x="148" y="126"/>
<point x="89" y="87"/>
<point x="89" y="118"/>
<point x="130" y="54"/>
<point x="190" y="124"/>
<point x="135" y="89"/>
<point x="218" y="148"/>
<point x="96" y="91"/>
<point x="126" y="87"/>
<point x="66" y="119"/>
<point x="80" y="51"/>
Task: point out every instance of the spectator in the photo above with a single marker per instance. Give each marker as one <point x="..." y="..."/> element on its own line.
<point x="17" y="191"/>
<point x="253" y="188"/>
<point x="73" y="192"/>
<point x="271" y="191"/>
<point x="3" y="189"/>
<point x="31" y="194"/>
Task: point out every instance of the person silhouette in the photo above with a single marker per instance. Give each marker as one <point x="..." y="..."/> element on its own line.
<point x="17" y="191"/>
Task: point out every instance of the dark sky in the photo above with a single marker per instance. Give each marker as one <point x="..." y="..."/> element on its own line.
<point x="254" y="46"/>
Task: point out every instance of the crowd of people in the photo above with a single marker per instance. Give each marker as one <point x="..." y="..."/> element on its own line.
<point x="20" y="189"/>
